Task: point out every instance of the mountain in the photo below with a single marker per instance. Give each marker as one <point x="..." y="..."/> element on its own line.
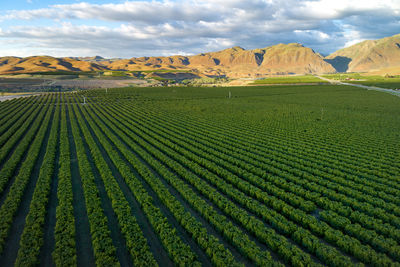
<point x="373" y="56"/>
<point x="278" y="59"/>
<point x="45" y="64"/>
<point x="294" y="58"/>
<point x="368" y="56"/>
<point x="232" y="62"/>
<point x="237" y="62"/>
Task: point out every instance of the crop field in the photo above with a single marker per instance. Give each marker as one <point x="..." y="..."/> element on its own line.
<point x="392" y="82"/>
<point x="180" y="176"/>
<point x="295" y="79"/>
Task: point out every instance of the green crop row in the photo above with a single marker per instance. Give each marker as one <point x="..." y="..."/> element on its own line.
<point x="209" y="243"/>
<point x="135" y="241"/>
<point x="11" y="164"/>
<point x="268" y="236"/>
<point x="17" y="189"/>
<point x="64" y="253"/>
<point x="103" y="248"/>
<point x="178" y="251"/>
<point x="18" y="128"/>
<point x="390" y="246"/>
<point x="272" y="176"/>
<point x="349" y="242"/>
<point x="16" y="112"/>
<point x="240" y="159"/>
<point x="32" y="237"/>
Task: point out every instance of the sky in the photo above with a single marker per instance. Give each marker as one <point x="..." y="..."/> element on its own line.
<point x="125" y="29"/>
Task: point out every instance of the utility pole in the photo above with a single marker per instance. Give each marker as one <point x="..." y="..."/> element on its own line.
<point x="84" y="100"/>
<point x="322" y="113"/>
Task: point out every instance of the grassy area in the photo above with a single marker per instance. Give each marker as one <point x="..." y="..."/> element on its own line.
<point x="163" y="71"/>
<point x="383" y="84"/>
<point x="20" y="93"/>
<point x="290" y="80"/>
<point x="389" y="82"/>
<point x="343" y="76"/>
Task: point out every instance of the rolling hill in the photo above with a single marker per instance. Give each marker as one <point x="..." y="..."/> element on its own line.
<point x="44" y="64"/>
<point x="373" y="56"/>
<point x="368" y="56"/>
<point x="233" y="62"/>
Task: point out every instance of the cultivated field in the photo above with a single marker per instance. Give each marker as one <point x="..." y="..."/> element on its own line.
<point x="294" y="79"/>
<point x="177" y="176"/>
<point x="391" y="82"/>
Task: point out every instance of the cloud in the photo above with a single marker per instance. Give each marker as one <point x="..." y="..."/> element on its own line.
<point x="339" y="9"/>
<point x="138" y="28"/>
<point x="123" y="41"/>
<point x="149" y="12"/>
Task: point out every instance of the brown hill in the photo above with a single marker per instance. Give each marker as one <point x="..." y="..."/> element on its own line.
<point x="294" y="58"/>
<point x="231" y="62"/>
<point x="368" y="56"/>
<point x="238" y="62"/>
<point x="45" y="64"/>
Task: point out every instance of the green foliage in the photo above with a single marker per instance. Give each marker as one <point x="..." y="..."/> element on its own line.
<point x="208" y="243"/>
<point x="290" y="80"/>
<point x="17" y="189"/>
<point x="32" y="236"/>
<point x="389" y="82"/>
<point x="164" y="71"/>
<point x="267" y="176"/>
<point x="201" y="81"/>
<point x="136" y="243"/>
<point x="104" y="250"/>
<point x="64" y="253"/>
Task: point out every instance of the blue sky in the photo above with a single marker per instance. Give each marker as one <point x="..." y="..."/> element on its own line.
<point x="155" y="28"/>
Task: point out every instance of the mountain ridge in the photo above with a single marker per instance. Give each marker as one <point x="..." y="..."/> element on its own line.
<point x="369" y="55"/>
<point x="235" y="62"/>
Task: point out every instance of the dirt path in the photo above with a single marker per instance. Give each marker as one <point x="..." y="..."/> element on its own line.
<point x="385" y="90"/>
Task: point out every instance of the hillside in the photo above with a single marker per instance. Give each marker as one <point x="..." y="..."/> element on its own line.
<point x="294" y="58"/>
<point x="372" y="56"/>
<point x="44" y="64"/>
<point x="232" y="62"/>
<point x="238" y="62"/>
<point x="368" y="56"/>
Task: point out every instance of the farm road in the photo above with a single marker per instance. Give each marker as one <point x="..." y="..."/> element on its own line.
<point x="390" y="91"/>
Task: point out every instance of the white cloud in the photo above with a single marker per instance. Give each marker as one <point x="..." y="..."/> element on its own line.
<point x="138" y="28"/>
<point x="337" y="9"/>
<point x="150" y="12"/>
<point x="352" y="42"/>
<point x="313" y="34"/>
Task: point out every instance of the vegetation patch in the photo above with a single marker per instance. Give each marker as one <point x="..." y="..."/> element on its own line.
<point x="291" y="80"/>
